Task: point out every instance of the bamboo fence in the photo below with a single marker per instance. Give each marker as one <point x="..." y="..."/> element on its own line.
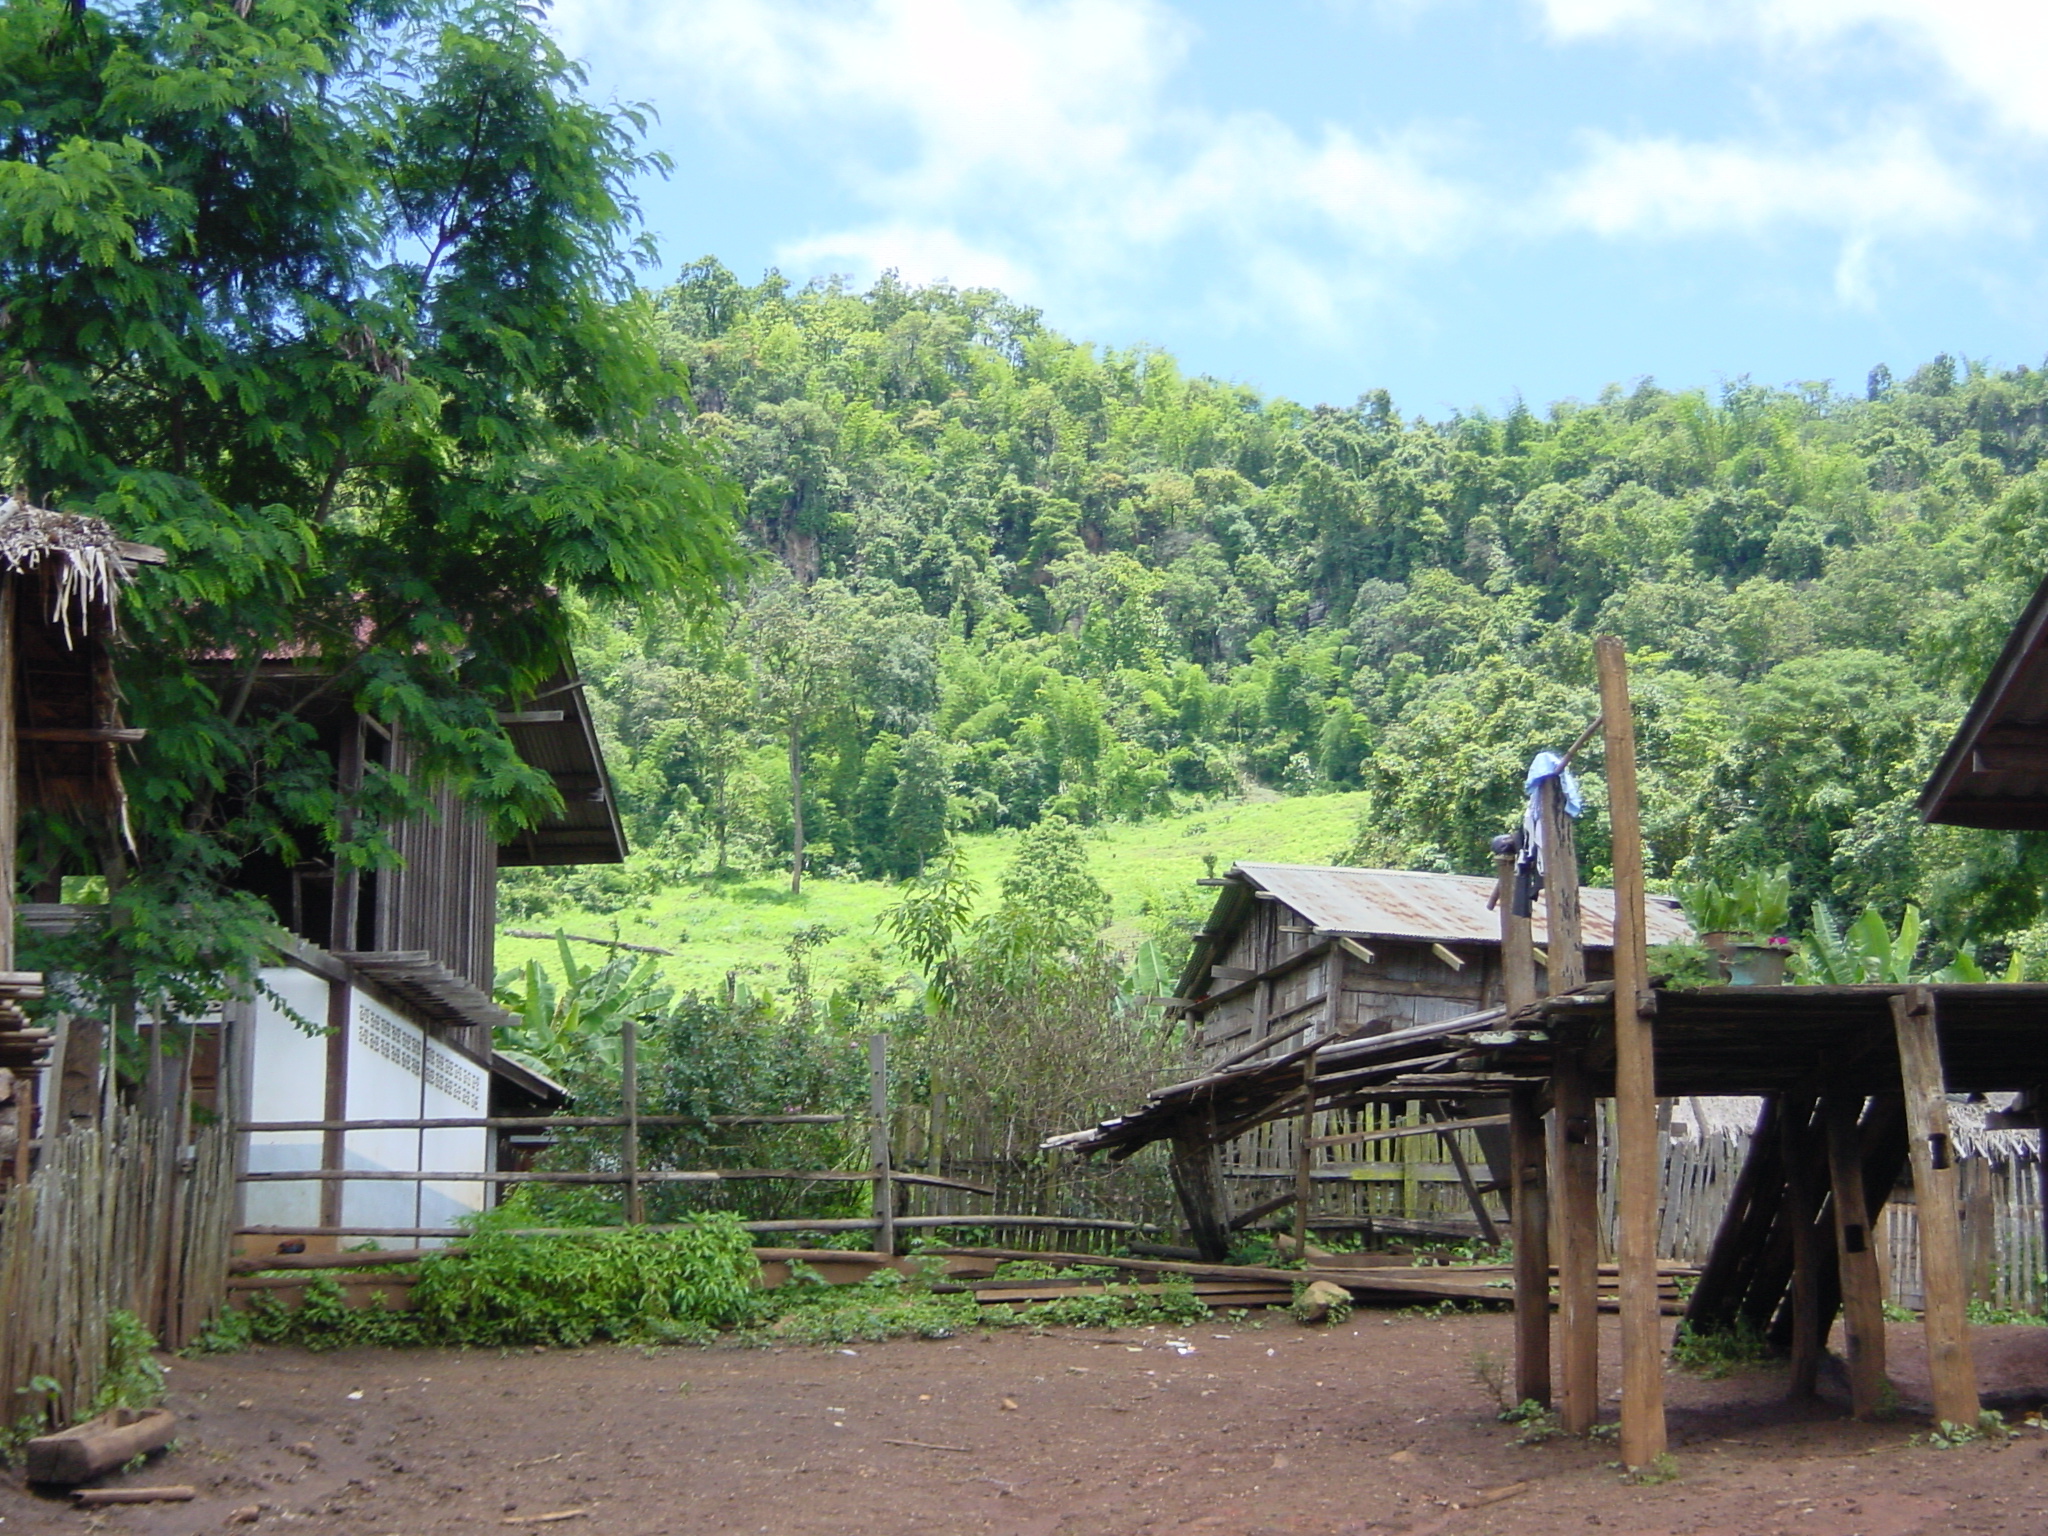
<point x="118" y="1217"/>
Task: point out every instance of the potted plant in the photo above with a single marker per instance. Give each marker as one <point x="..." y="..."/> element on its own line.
<point x="1742" y="923"/>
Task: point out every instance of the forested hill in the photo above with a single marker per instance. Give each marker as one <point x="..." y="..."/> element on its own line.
<point x="1036" y="577"/>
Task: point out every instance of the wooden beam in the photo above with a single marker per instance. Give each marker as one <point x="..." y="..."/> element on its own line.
<point x="1856" y="1257"/>
<point x="1449" y="956"/>
<point x="1567" y="967"/>
<point x="1945" y="1313"/>
<point x="1440" y="1128"/>
<point x="1638" y="1163"/>
<point x="1577" y="1181"/>
<point x="1530" y="1213"/>
<point x="1517" y="948"/>
<point x="1356" y="950"/>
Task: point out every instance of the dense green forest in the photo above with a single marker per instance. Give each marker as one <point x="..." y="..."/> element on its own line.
<point x="1008" y="576"/>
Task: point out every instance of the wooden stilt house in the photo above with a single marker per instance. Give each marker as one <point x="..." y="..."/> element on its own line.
<point x="398" y="966"/>
<point x="1293" y="955"/>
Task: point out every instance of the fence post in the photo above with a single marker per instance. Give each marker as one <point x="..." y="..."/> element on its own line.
<point x="878" y="1141"/>
<point x="629" y="1090"/>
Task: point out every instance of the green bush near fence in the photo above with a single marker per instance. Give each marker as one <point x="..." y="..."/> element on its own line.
<point x="503" y="1289"/>
<point x="633" y="1283"/>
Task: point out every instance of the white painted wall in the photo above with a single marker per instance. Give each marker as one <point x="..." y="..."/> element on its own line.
<point x="395" y="1072"/>
<point x="287" y="1081"/>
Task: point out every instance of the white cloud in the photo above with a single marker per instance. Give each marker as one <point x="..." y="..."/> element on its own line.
<point x="1042" y="142"/>
<point x="1673" y="188"/>
<point x="1994" y="50"/>
<point x="919" y="254"/>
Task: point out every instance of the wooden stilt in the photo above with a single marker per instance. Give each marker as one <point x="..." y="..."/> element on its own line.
<point x="1198" y="1180"/>
<point x="1945" y="1313"/>
<point x="1531" y="1216"/>
<point x="1802" y="1203"/>
<point x="1856" y="1257"/>
<point x="1639" y="1162"/>
<point x="1578" y="1258"/>
<point x="1304" y="1158"/>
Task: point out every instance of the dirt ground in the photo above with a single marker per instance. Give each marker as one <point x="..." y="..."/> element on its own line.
<point x="1378" y="1427"/>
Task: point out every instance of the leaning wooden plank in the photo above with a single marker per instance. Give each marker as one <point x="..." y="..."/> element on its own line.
<point x="94" y="1498"/>
<point x="86" y="1451"/>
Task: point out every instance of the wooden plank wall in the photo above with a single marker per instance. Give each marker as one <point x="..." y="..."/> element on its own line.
<point x="445" y="898"/>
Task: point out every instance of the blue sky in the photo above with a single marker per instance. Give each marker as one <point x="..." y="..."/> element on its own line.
<point x="1454" y="200"/>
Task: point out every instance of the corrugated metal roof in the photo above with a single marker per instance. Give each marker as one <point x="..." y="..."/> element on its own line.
<point x="1400" y="904"/>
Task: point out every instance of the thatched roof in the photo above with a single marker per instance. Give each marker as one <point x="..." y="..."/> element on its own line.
<point x="92" y="563"/>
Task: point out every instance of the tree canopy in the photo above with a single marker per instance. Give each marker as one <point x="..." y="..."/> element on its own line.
<point x="333" y="300"/>
<point x="1108" y="588"/>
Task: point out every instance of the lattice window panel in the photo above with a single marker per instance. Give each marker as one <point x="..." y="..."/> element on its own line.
<point x="379" y="1034"/>
<point x="446" y="1074"/>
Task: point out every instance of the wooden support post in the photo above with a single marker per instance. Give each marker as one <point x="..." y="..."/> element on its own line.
<point x="1802" y="1208"/>
<point x="1531" y="1216"/>
<point x="1945" y="1312"/>
<point x="10" y="780"/>
<point x="878" y="1110"/>
<point x="2041" y="1166"/>
<point x="341" y="936"/>
<point x="1304" y="1157"/>
<point x="629" y="1094"/>
<point x="1856" y="1257"/>
<point x="1577" y="1181"/>
<point x="1517" y="947"/>
<point x="1638" y="1165"/>
<point x="1198" y="1180"/>
<point x="1566" y="952"/>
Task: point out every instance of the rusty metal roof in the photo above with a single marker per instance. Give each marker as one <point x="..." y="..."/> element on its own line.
<point x="1995" y="771"/>
<point x="1400" y="904"/>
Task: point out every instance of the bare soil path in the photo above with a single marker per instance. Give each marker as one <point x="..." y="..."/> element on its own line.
<point x="1378" y="1427"/>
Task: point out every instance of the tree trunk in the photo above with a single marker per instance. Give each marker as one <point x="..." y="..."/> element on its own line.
<point x="796" y="810"/>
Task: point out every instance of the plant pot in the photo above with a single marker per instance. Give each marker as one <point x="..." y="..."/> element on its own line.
<point x="1756" y="965"/>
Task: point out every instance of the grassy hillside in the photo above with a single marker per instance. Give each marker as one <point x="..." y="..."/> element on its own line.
<point x="743" y="925"/>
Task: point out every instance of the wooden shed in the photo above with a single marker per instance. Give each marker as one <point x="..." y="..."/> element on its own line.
<point x="1294" y="951"/>
<point x="1293" y="954"/>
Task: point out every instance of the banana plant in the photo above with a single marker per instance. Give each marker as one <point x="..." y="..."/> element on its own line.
<point x="1869" y="950"/>
<point x="576" y="1023"/>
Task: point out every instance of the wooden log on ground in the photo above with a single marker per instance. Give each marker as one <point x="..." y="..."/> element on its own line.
<point x="96" y="1447"/>
<point x="96" y="1498"/>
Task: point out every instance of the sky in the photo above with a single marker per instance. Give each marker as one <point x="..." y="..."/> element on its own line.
<point x="1462" y="202"/>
